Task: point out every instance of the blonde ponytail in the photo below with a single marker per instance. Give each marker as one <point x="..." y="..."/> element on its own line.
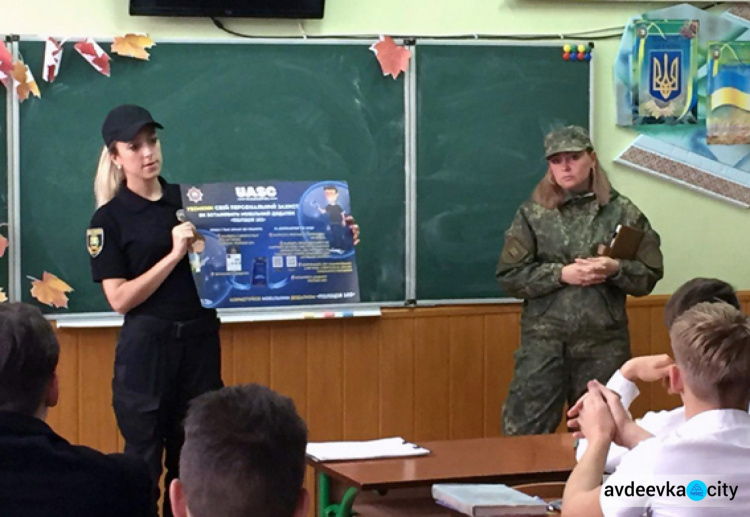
<point x="107" y="180"/>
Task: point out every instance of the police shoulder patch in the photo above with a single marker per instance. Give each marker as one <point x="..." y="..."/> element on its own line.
<point x="94" y="241"/>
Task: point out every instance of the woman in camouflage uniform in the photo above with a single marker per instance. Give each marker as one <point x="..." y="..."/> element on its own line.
<point x="574" y="327"/>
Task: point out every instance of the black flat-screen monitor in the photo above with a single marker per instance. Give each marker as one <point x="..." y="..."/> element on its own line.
<point x="230" y="8"/>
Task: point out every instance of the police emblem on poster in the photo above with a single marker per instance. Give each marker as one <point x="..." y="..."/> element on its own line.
<point x="272" y="243"/>
<point x="665" y="69"/>
<point x="94" y="241"/>
<point x="728" y="92"/>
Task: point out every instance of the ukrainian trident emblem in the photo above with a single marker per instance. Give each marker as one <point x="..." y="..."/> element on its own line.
<point x="666" y="80"/>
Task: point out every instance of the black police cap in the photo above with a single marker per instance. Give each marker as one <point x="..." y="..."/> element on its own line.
<point x="124" y="122"/>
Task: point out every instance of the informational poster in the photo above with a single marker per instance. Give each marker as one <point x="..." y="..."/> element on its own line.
<point x="271" y="243"/>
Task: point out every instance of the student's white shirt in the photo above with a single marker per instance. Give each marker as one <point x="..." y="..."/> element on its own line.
<point x="655" y="422"/>
<point x="713" y="445"/>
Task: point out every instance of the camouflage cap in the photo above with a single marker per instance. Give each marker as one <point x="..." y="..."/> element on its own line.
<point x="566" y="139"/>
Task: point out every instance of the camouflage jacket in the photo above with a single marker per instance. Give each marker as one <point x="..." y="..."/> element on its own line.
<point x="540" y="242"/>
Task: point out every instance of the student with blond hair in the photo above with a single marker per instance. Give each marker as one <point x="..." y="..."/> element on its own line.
<point x="652" y="368"/>
<point x="705" y="458"/>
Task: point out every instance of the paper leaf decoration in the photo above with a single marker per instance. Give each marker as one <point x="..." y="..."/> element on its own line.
<point x="3" y="296"/>
<point x="132" y="45"/>
<point x="93" y="53"/>
<point x="6" y="64"/>
<point x="393" y="59"/>
<point x="24" y="81"/>
<point x="50" y="290"/>
<point x="52" y="56"/>
<point x="3" y="245"/>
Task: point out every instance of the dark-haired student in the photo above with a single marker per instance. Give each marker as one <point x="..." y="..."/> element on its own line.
<point x="244" y="455"/>
<point x="652" y="368"/>
<point x="41" y="474"/>
<point x="704" y="460"/>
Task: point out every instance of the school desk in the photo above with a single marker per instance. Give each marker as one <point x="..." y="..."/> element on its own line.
<point x="509" y="460"/>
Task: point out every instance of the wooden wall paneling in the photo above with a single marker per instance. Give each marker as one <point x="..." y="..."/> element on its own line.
<point x="432" y="378"/>
<point x="289" y="362"/>
<point x="63" y="418"/>
<point x="325" y="379"/>
<point x="97" y="424"/>
<point x="361" y="379"/>
<point x="396" y="376"/>
<point x="251" y="347"/>
<point x="226" y="337"/>
<point x="466" y="377"/>
<point x="502" y="336"/>
<point x="640" y="344"/>
<point x="660" y="344"/>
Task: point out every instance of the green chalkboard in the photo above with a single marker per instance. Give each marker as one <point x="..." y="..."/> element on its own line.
<point x="232" y="112"/>
<point x="482" y="112"/>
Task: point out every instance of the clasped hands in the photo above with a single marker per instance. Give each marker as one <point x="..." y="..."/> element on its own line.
<point x="599" y="416"/>
<point x="589" y="271"/>
<point x="599" y="413"/>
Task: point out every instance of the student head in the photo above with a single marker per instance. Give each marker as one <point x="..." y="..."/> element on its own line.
<point x="572" y="166"/>
<point x="711" y="345"/>
<point x="244" y="454"/>
<point x="28" y="357"/>
<point x="131" y="152"/>
<point x="331" y="193"/>
<point x="696" y="291"/>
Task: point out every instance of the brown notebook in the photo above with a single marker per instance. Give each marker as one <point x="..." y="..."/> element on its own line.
<point x="625" y="243"/>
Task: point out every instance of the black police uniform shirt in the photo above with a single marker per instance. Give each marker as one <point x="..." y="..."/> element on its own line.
<point x="335" y="212"/>
<point x="134" y="233"/>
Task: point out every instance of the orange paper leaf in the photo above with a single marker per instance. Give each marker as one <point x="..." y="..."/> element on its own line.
<point x="24" y="81"/>
<point x="3" y="245"/>
<point x="50" y="290"/>
<point x="132" y="45"/>
<point x="393" y="59"/>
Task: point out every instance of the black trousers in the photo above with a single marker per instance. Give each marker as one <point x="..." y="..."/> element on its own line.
<point x="159" y="367"/>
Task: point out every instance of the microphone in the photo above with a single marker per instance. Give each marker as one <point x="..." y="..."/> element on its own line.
<point x="198" y="243"/>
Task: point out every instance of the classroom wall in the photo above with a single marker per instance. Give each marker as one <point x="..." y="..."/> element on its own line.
<point x="701" y="236"/>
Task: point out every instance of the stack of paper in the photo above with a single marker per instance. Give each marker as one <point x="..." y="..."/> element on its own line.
<point x="487" y="500"/>
<point x="384" y="448"/>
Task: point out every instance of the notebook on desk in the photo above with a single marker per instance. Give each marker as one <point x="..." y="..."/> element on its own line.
<point x="487" y="500"/>
<point x="395" y="447"/>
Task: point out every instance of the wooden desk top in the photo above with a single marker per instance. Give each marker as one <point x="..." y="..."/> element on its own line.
<point x="509" y="460"/>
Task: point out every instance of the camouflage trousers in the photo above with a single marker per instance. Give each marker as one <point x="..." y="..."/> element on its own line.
<point x="553" y="366"/>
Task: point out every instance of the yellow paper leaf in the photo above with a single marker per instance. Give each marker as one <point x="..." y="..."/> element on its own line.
<point x="3" y="296"/>
<point x="50" y="290"/>
<point x="132" y="45"/>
